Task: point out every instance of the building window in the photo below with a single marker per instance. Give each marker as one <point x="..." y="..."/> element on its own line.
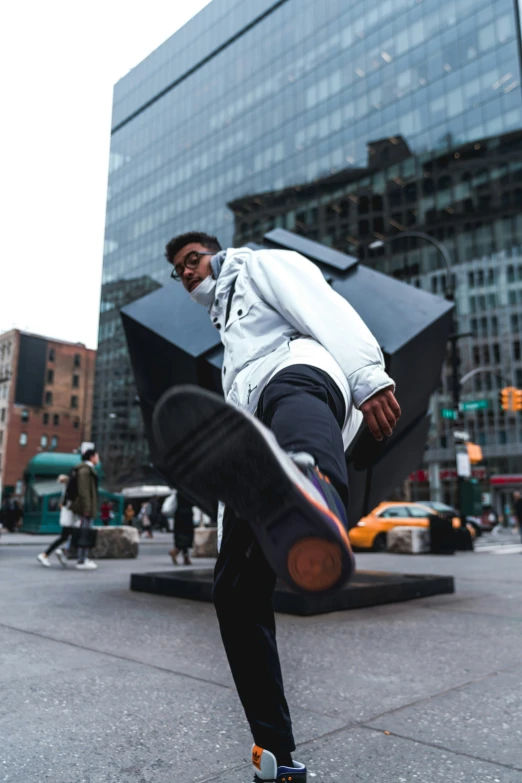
<point x="76" y="381"/>
<point x="1" y="437"/>
<point x="43" y="441"/>
<point x="48" y="398"/>
<point x="50" y="376"/>
<point x="76" y="422"/>
<point x="46" y="418"/>
<point x="23" y="439"/>
<point x="24" y="415"/>
<point x="56" y="419"/>
<point x="74" y="401"/>
<point x="77" y="360"/>
<point x="2" y="414"/>
<point x="52" y="355"/>
<point x="54" y="441"/>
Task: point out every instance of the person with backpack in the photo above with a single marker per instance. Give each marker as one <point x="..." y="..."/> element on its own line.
<point x="85" y="505"/>
<point x="68" y="521"/>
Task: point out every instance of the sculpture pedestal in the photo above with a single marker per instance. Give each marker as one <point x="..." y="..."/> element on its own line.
<point x="367" y="588"/>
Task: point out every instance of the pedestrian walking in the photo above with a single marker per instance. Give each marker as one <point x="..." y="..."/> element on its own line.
<point x="128" y="515"/>
<point x="85" y="505"/>
<point x="68" y="521"/>
<point x="517" y="510"/>
<point x="299" y="359"/>
<point x="183" y="530"/>
<point x="145" y="520"/>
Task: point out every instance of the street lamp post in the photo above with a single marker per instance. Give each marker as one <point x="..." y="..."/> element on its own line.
<point x="449" y="294"/>
<point x="448" y="283"/>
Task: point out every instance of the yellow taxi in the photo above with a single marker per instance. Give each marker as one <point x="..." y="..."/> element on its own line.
<point x="370" y="532"/>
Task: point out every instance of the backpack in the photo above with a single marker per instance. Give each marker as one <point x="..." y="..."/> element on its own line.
<point x="71" y="491"/>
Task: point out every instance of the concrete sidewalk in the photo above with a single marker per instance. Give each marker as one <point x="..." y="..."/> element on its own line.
<point x="101" y="685"/>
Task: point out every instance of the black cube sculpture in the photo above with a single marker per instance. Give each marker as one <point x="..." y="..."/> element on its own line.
<point x="171" y="341"/>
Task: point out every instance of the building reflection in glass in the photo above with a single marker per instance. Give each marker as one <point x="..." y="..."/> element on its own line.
<point x="252" y="97"/>
<point x="469" y="197"/>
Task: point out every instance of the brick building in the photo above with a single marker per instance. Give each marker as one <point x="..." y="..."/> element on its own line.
<point x="46" y="394"/>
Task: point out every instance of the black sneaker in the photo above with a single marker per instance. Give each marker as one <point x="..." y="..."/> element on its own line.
<point x="214" y="452"/>
<point x="265" y="769"/>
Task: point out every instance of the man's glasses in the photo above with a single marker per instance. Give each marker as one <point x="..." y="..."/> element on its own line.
<point x="191" y="261"/>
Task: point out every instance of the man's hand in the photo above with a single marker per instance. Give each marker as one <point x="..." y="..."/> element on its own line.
<point x="381" y="413"/>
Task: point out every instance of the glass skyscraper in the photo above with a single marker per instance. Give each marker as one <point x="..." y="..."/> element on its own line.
<point x="343" y="120"/>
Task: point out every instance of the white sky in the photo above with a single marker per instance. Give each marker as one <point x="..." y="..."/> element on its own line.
<point x="59" y="61"/>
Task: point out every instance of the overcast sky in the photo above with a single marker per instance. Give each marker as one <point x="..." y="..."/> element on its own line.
<point x="59" y="61"/>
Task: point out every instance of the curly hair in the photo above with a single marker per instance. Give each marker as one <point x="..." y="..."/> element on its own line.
<point x="179" y="242"/>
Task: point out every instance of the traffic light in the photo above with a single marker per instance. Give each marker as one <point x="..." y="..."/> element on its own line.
<point x="511" y="399"/>
<point x="505" y="398"/>
<point x="474" y="453"/>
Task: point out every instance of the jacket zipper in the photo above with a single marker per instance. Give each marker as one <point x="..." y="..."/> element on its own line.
<point x="250" y="390"/>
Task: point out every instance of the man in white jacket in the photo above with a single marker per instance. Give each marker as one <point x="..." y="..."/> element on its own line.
<point x="299" y="361"/>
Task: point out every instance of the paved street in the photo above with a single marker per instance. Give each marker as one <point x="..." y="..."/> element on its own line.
<point x="101" y="685"/>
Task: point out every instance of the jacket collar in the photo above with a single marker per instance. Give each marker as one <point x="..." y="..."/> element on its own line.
<point x="216" y="262"/>
<point x="230" y="266"/>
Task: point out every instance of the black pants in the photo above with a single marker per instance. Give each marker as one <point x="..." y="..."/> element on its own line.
<point x="62" y="538"/>
<point x="305" y="410"/>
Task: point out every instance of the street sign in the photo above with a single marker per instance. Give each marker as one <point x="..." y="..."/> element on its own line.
<point x="449" y="413"/>
<point x="474" y="405"/>
<point x="461" y="435"/>
<point x="463" y="465"/>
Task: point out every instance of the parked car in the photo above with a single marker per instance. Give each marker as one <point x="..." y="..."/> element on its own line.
<point x="371" y="531"/>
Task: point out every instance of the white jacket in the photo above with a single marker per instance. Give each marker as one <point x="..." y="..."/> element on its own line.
<point x="284" y="312"/>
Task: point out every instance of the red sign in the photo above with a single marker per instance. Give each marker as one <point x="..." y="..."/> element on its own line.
<point x="513" y="479"/>
<point x="449" y="474"/>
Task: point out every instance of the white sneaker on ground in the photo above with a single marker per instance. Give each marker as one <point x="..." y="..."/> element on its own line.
<point x="87" y="565"/>
<point x="62" y="557"/>
<point x="43" y="560"/>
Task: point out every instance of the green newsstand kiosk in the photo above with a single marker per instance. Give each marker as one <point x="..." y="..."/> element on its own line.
<point x="43" y="492"/>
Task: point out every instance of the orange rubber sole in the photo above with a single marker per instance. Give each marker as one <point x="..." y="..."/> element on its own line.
<point x="315" y="564"/>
